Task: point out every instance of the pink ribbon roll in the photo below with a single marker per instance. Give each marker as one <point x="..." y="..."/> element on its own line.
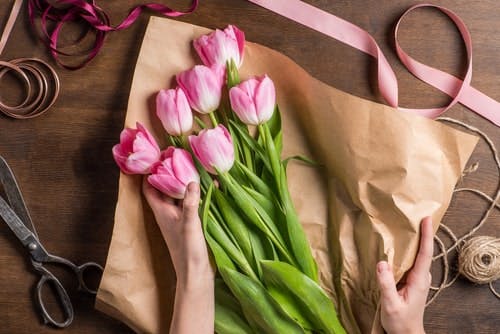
<point x="352" y="35"/>
<point x="61" y="12"/>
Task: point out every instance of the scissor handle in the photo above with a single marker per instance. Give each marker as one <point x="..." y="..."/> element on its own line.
<point x="80" y="271"/>
<point x="62" y="296"/>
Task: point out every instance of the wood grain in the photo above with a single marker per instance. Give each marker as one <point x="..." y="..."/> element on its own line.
<point x="64" y="165"/>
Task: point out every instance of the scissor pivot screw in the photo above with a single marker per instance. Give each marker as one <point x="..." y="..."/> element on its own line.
<point x="32" y="246"/>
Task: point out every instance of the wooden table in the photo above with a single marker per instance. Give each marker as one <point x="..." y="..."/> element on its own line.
<point x="64" y="165"/>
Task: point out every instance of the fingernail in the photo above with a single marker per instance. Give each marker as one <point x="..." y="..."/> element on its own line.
<point x="193" y="187"/>
<point x="382" y="266"/>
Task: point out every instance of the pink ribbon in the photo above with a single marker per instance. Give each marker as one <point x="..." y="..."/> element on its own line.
<point x="352" y="35"/>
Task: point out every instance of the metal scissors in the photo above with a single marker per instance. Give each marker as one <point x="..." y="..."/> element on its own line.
<point x="15" y="214"/>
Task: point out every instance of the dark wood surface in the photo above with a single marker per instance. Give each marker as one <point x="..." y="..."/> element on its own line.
<point x="64" y="165"/>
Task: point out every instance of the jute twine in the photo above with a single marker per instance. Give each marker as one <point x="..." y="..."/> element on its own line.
<point x="479" y="256"/>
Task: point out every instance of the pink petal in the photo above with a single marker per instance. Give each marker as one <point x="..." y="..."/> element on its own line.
<point x="183" y="167"/>
<point x="167" y="185"/>
<point x="265" y="99"/>
<point x="243" y="106"/>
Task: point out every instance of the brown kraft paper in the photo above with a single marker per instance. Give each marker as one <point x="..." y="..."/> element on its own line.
<point x="382" y="172"/>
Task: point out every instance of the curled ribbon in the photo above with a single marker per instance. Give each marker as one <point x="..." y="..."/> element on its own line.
<point x="352" y="35"/>
<point x="39" y="79"/>
<point x="87" y="11"/>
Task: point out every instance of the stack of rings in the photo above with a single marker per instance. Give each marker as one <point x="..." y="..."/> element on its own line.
<point x="41" y="85"/>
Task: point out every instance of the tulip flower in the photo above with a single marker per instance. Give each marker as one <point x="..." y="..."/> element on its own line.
<point x="254" y="100"/>
<point x="214" y="149"/>
<point x="203" y="87"/>
<point x="172" y="108"/>
<point x="221" y="46"/>
<point x="174" y="172"/>
<point x="137" y="151"/>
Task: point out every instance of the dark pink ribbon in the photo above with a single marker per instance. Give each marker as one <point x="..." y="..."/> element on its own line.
<point x="64" y="11"/>
<point x="352" y="35"/>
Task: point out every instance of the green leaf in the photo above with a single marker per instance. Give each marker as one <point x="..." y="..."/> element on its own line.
<point x="290" y="306"/>
<point x="220" y="256"/>
<point x="301" y="158"/>
<point x="264" y="202"/>
<point x="205" y="207"/>
<point x="278" y="143"/>
<point x="229" y="317"/>
<point x="274" y="122"/>
<point x="272" y="154"/>
<point x="316" y="304"/>
<point x="258" y="306"/>
<point x="216" y="231"/>
<point x="200" y="122"/>
<point x="275" y="128"/>
<point x="258" y="250"/>
<point x="246" y="139"/>
<point x="232" y="75"/>
<point x="222" y="260"/>
<point x="256" y="214"/>
<point x="256" y="181"/>
<point x="296" y="235"/>
<point x="235" y="223"/>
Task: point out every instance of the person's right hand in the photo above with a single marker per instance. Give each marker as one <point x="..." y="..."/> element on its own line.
<point x="181" y="228"/>
<point x="402" y="311"/>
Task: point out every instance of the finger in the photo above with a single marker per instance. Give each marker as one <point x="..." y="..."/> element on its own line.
<point x="388" y="293"/>
<point x="159" y="202"/>
<point x="153" y="195"/>
<point x="423" y="261"/>
<point x="191" y="203"/>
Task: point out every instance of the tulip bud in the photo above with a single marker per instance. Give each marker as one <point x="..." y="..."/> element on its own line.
<point x="174" y="172"/>
<point x="254" y="100"/>
<point x="172" y="108"/>
<point x="203" y="87"/>
<point x="137" y="151"/>
<point x="221" y="46"/>
<point x="214" y="149"/>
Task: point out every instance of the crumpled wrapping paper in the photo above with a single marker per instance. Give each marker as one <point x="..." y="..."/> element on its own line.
<point x="382" y="172"/>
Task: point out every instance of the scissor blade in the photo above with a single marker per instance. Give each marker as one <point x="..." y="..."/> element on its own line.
<point x="13" y="192"/>
<point x="15" y="224"/>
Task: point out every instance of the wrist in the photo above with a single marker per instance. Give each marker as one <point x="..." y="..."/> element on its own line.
<point x="416" y="331"/>
<point x="195" y="283"/>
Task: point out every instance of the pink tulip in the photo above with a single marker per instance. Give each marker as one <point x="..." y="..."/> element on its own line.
<point x="221" y="46"/>
<point x="172" y="108"/>
<point x="254" y="100"/>
<point x="214" y="149"/>
<point x="173" y="174"/>
<point x="137" y="151"/>
<point x="203" y="87"/>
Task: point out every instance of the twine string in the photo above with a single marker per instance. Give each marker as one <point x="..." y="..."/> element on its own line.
<point x="478" y="256"/>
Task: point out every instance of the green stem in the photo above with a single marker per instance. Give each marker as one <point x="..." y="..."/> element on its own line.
<point x="183" y="141"/>
<point x="274" y="159"/>
<point x="213" y="119"/>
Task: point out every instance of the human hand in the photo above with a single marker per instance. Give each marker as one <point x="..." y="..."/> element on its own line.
<point x="181" y="228"/>
<point x="402" y="311"/>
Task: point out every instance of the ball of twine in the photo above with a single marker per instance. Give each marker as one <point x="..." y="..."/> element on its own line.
<point x="479" y="259"/>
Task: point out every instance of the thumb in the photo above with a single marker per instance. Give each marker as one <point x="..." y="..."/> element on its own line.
<point x="191" y="203"/>
<point x="388" y="293"/>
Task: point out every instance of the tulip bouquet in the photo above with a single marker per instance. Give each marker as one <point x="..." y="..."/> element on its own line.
<point x="267" y="277"/>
